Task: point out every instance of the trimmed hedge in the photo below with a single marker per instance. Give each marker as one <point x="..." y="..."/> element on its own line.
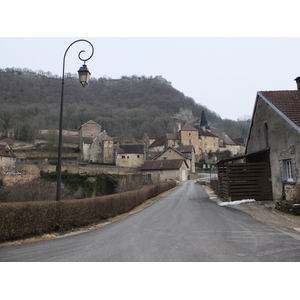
<point x="25" y="219"/>
<point x="288" y="207"/>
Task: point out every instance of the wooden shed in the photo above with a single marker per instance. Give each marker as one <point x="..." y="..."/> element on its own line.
<point x="245" y="177"/>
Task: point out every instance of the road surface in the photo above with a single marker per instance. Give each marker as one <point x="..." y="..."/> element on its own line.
<point x="182" y="226"/>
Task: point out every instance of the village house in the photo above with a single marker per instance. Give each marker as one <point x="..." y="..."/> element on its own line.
<point x="188" y="142"/>
<point x="172" y="153"/>
<point x="95" y="145"/>
<point x="130" y="155"/>
<point x="208" y="140"/>
<point x="269" y="169"/>
<point x="161" y="170"/>
<point x="228" y="143"/>
<point x="275" y="133"/>
<point x="7" y="158"/>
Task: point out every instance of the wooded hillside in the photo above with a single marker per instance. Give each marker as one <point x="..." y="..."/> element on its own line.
<point x="125" y="107"/>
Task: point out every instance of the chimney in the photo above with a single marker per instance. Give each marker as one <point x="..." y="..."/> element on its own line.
<point x="298" y="85"/>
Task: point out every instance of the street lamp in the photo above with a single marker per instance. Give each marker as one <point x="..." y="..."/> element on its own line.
<point x="84" y="76"/>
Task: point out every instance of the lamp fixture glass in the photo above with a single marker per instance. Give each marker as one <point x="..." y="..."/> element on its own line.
<point x="84" y="75"/>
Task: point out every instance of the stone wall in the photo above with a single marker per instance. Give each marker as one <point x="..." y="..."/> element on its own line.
<point x="34" y="169"/>
<point x="12" y="180"/>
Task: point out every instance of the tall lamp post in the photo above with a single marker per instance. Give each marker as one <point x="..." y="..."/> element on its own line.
<point x="84" y="76"/>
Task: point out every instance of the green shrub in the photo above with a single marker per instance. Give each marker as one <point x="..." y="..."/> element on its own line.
<point x="288" y="207"/>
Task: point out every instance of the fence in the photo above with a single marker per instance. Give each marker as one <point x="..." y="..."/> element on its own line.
<point x="237" y="181"/>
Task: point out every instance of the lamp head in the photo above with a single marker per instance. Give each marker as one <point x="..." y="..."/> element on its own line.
<point x="84" y="75"/>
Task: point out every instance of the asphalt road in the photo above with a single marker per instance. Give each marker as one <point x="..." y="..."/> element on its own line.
<point x="182" y="226"/>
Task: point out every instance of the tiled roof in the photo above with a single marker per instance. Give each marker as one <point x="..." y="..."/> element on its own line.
<point x="131" y="148"/>
<point x="185" y="148"/>
<point x="188" y="127"/>
<point x="168" y="164"/>
<point x="287" y="102"/>
<point x="172" y="136"/>
<point x="181" y="153"/>
<point x="160" y="141"/>
<point x="205" y="132"/>
<point x="89" y="122"/>
<point x="225" y="139"/>
<point x="153" y="136"/>
<point x="5" y="150"/>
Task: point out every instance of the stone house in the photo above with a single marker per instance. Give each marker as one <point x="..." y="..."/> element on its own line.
<point x="161" y="170"/>
<point x="172" y="140"/>
<point x="208" y="140"/>
<point x="275" y="134"/>
<point x="7" y="159"/>
<point x="95" y="145"/>
<point x="228" y="143"/>
<point x="130" y="155"/>
<point x="189" y="135"/>
<point x="172" y="153"/>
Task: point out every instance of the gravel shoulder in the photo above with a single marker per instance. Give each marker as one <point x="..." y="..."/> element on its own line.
<point x="265" y="212"/>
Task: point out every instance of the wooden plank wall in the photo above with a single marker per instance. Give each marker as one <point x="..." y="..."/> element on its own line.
<point x="239" y="181"/>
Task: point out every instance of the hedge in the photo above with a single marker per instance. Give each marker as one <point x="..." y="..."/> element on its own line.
<point x="25" y="219"/>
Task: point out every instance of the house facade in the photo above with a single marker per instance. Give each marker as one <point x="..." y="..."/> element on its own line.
<point x="275" y="129"/>
<point x="161" y="170"/>
<point x="130" y="155"/>
<point x="7" y="159"/>
<point x="95" y="145"/>
<point x="172" y="153"/>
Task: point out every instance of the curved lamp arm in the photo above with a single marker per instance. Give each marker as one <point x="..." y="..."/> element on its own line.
<point x="83" y="80"/>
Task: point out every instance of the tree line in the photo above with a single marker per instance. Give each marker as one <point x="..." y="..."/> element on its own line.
<point x="126" y="107"/>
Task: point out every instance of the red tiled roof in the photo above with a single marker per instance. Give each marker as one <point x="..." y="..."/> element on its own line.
<point x="287" y="102"/>
<point x="168" y="164"/>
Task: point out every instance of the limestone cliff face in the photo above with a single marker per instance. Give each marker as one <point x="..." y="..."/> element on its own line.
<point x="185" y="115"/>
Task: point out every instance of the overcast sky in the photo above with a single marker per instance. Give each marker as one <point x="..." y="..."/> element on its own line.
<point x="224" y="74"/>
<point x="220" y="64"/>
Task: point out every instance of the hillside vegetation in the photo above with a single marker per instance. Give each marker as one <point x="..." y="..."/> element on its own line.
<point x="125" y="107"/>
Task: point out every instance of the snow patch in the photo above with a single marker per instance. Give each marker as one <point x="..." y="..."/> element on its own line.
<point x="236" y="202"/>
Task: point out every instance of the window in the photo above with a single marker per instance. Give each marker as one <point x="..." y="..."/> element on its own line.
<point x="138" y="156"/>
<point x="287" y="167"/>
<point x="123" y="156"/>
